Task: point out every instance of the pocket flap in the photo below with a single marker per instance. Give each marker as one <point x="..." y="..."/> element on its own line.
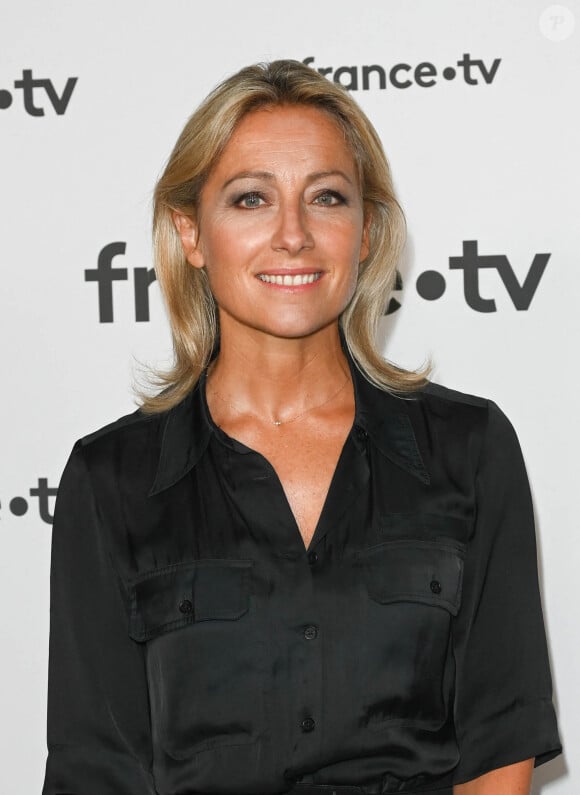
<point x="186" y="593"/>
<point x="415" y="570"/>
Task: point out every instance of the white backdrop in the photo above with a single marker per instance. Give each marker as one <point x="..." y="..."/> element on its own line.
<point x="485" y="154"/>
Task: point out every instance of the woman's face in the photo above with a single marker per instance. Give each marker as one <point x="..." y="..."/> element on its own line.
<point x="280" y="228"/>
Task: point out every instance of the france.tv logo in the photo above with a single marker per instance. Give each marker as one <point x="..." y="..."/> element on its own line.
<point x="38" y="94"/>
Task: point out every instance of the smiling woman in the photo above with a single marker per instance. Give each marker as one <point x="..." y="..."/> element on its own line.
<point x="211" y="131"/>
<point x="280" y="225"/>
<point x="305" y="569"/>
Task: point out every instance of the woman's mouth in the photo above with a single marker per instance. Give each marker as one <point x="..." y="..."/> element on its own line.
<point x="289" y="280"/>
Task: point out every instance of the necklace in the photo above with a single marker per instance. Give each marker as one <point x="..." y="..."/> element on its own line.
<point x="290" y="419"/>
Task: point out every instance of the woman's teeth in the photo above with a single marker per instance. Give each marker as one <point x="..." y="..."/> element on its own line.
<point x="290" y="281"/>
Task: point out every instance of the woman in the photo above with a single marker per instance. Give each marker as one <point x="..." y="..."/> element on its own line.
<point x="297" y="568"/>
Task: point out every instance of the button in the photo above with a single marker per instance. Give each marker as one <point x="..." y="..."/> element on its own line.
<point x="310" y="632"/>
<point x="361" y="433"/>
<point x="312" y="558"/>
<point x="185" y="606"/>
<point x="307" y="724"/>
<point x="435" y="586"/>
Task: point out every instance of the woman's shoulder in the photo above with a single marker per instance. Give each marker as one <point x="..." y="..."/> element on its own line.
<point x="438" y="394"/>
<point x="455" y="414"/>
<point x="138" y="423"/>
<point x="130" y="440"/>
<point x="445" y="400"/>
<point x="133" y="423"/>
<point x="467" y="417"/>
<point x="121" y="456"/>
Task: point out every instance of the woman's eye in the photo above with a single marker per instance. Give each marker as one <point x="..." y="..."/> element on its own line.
<point x="329" y="198"/>
<point x="249" y="200"/>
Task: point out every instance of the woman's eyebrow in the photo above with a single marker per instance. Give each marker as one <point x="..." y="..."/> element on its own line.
<point x="334" y="173"/>
<point x="269" y="176"/>
<point x="249" y="175"/>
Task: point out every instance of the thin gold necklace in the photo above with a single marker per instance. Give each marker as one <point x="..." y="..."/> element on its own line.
<point x="291" y="419"/>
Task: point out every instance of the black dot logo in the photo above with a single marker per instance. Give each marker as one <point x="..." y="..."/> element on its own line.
<point x="449" y="73"/>
<point x="18" y="506"/>
<point x="430" y="285"/>
<point x="5" y="99"/>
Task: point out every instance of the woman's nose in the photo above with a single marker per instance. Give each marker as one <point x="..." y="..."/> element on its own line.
<point x="292" y="233"/>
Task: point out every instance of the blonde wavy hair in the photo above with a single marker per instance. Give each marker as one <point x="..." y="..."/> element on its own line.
<point x="191" y="307"/>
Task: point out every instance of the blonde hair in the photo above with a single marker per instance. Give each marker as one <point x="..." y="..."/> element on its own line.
<point x="190" y="304"/>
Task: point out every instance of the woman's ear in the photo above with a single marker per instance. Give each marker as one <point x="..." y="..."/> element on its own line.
<point x="188" y="232"/>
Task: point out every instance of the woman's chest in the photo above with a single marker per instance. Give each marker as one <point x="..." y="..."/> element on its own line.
<point x="298" y="461"/>
<point x="255" y="639"/>
<point x="247" y="635"/>
<point x="305" y="467"/>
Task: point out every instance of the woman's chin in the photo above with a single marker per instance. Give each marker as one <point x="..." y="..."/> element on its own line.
<point x="289" y="328"/>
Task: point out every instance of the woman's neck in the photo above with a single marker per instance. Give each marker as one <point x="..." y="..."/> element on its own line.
<point x="277" y="378"/>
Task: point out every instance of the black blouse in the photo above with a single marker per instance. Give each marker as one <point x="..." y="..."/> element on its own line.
<point x="197" y="646"/>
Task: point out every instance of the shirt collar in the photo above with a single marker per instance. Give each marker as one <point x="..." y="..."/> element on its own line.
<point x="187" y="430"/>
<point x="386" y="418"/>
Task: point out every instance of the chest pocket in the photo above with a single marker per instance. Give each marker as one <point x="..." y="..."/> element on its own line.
<point x="412" y="589"/>
<point x="426" y="572"/>
<point x="204" y="654"/>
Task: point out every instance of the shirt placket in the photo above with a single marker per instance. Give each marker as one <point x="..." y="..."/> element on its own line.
<point x="301" y="598"/>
